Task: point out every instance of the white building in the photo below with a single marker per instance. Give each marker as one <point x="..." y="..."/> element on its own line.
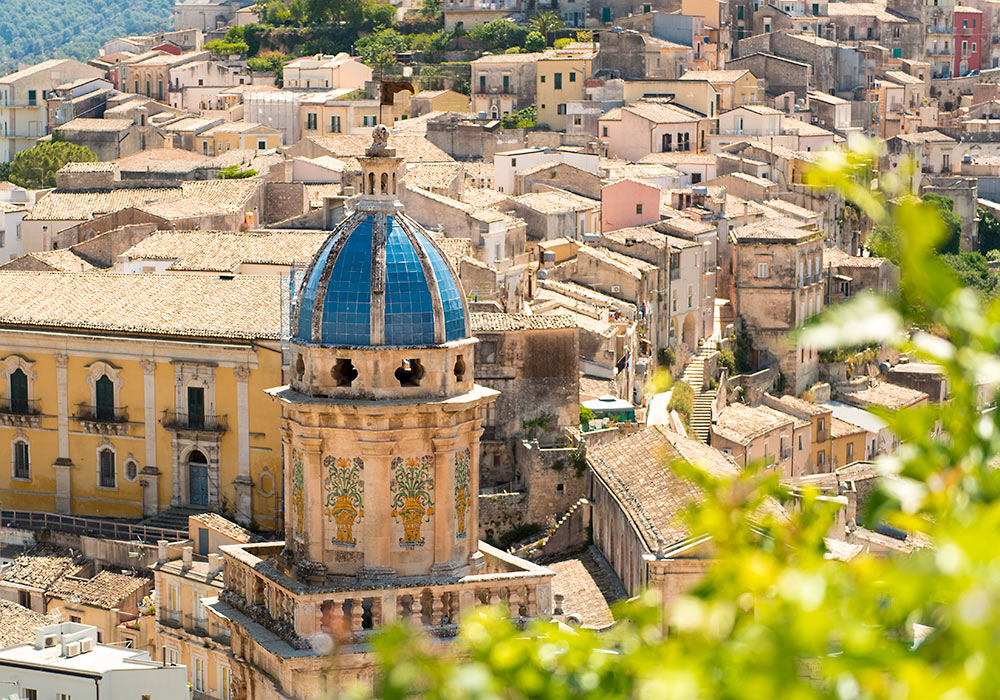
<point x="15" y="203"/>
<point x="67" y="662"/>
<point x="507" y="164"/>
<point x="326" y="72"/>
<point x="23" y="110"/>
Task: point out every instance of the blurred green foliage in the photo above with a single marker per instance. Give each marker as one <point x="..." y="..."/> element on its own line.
<point x="36" y="167"/>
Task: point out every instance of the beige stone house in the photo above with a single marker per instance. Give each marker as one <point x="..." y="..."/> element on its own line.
<point x="756" y="434"/>
<point x="778" y="284"/>
<point x="503" y="83"/>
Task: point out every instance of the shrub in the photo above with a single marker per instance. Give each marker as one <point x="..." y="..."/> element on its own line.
<point x="562" y="43"/>
<point x="534" y="42"/>
<point x="586" y="415"/>
<point x="682" y="401"/>
<point x="727" y="360"/>
<point x="666" y="357"/>
<point x="235" y="172"/>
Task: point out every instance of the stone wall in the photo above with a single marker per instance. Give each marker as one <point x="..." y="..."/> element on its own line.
<point x="554" y="478"/>
<point x="284" y="200"/>
<point x="499" y="513"/>
<point x="102" y="224"/>
<point x="754" y="385"/>
<point x="103" y="250"/>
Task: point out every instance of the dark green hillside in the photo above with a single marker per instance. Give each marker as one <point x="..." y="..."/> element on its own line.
<point x="34" y="30"/>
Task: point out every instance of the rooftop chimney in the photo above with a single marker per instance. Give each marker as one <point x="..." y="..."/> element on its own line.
<point x="161" y="551"/>
<point x="188" y="556"/>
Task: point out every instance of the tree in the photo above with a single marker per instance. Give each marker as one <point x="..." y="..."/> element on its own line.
<point x="498" y="35"/>
<point x="236" y="172"/>
<point x="378" y="15"/>
<point x="233" y="44"/>
<point x="989" y="231"/>
<point x="521" y="119"/>
<point x="36" y="167"/>
<point x="534" y="42"/>
<point x="775" y="616"/>
<point x="953" y="225"/>
<point x="545" y="23"/>
<point x="380" y="48"/>
<point x="269" y="62"/>
<point x="974" y="272"/>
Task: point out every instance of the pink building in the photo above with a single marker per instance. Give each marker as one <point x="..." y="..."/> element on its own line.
<point x="628" y="203"/>
<point x="968" y="39"/>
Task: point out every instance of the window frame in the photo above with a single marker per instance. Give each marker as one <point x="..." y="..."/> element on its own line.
<point x="20" y="442"/>
<point x="102" y="450"/>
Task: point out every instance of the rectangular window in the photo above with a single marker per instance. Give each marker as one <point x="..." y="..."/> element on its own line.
<point x="334" y="125"/>
<point x="172" y="657"/>
<point x="63" y="696"/>
<point x="311" y="121"/>
<point x="577" y="120"/>
<point x="506" y="83"/>
<point x="850" y="451"/>
<point x="604" y="131"/>
<point x="542" y="78"/>
<point x="561" y="109"/>
<point x="638" y="208"/>
<point x="482" y="83"/>
<point x="965" y="47"/>
<point x="22" y="464"/>
<point x="107" y="468"/>
<point x="557" y="81"/>
<point x="196" y="406"/>
<point x="32" y="97"/>
<point x="225" y="681"/>
<point x="973" y="47"/>
<point x="739" y="12"/>
<point x="763" y="270"/>
<point x="30" y="694"/>
<point x="572" y="77"/>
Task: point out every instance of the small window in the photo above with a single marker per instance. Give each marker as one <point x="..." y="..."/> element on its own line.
<point x="821" y="459"/>
<point x="22" y="460"/>
<point x="604" y="131"/>
<point x="542" y="78"/>
<point x="131" y="470"/>
<point x="557" y="81"/>
<point x="763" y="270"/>
<point x="30" y="694"/>
<point x="107" y="479"/>
<point x="572" y="75"/>
<point x="409" y="373"/>
<point x="850" y="451"/>
<point x="638" y="208"/>
<point x="577" y="120"/>
<point x="261" y="145"/>
<point x="561" y="109"/>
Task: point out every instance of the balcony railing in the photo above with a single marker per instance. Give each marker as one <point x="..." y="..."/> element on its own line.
<point x="101" y="414"/>
<point x="200" y="422"/>
<point x="170" y="618"/>
<point x="19" y="407"/>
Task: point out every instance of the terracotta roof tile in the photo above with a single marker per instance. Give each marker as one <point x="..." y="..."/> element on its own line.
<point x="588" y="585"/>
<point x="247" y="307"/>
<point x="18" y="624"/>
<point x="106" y="590"/>
<point x="487" y="322"/>
<point x="225" y="526"/>
<point x="225" y="251"/>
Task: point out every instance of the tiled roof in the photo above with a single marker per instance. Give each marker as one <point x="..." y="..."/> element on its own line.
<point x="716" y="76"/>
<point x="839" y="428"/>
<point x="901" y="77"/>
<point x="41" y="566"/>
<point x="43" y="67"/>
<point x="661" y="112"/>
<point x="782" y="230"/>
<point x="455" y="249"/>
<point x="18" y="624"/>
<point x="680" y="158"/>
<point x="84" y="167"/>
<point x="508" y="58"/>
<point x="884" y="394"/>
<point x="486" y="322"/>
<point x="838" y="258"/>
<point x="805" y="128"/>
<point x="225" y="526"/>
<point x="62" y="260"/>
<point x="797" y="406"/>
<point x="926" y="137"/>
<point x="162" y="160"/>
<point x="83" y="124"/>
<point x="742" y="424"/>
<point x="482" y="197"/>
<point x="225" y="251"/>
<point x="247" y="307"/>
<point x="434" y="175"/>
<point x="793" y="210"/>
<point x="865" y="9"/>
<point x="637" y="469"/>
<point x="556" y="202"/>
<point x="414" y="147"/>
<point x="588" y="585"/>
<point x="106" y="590"/>
<point x="199" y="197"/>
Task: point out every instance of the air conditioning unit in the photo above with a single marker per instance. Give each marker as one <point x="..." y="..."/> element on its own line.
<point x="86" y="645"/>
<point x="73" y="649"/>
<point x="616" y="289"/>
<point x="50" y="640"/>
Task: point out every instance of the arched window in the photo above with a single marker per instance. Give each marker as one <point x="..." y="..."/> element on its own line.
<point x="21" y="458"/>
<point x="131" y="470"/>
<point x="385" y="183"/>
<point x="18" y="391"/>
<point x="104" y="401"/>
<point x="371" y="183"/>
<point x="107" y="476"/>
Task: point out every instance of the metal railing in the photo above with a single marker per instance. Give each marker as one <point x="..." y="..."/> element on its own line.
<point x="170" y="618"/>
<point x="101" y="414"/>
<point x="21" y="407"/>
<point x="96" y="527"/>
<point x="205" y="422"/>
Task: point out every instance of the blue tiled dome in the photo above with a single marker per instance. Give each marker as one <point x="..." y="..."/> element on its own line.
<point x="379" y="279"/>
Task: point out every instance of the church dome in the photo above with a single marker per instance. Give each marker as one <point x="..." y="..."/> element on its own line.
<point x="380" y="279"/>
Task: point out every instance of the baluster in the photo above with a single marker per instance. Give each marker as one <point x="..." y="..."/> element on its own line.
<point x="416" y="609"/>
<point x="400" y="608"/>
<point x="513" y="602"/>
<point x="437" y="608"/>
<point x="357" y="614"/>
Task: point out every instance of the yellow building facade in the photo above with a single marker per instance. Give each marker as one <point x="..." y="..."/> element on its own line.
<point x="237" y="136"/>
<point x="124" y="395"/>
<point x="560" y="78"/>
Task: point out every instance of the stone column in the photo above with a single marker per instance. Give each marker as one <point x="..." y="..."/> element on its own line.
<point x="305" y="620"/>
<point x="243" y="481"/>
<point x="377" y="527"/>
<point x="63" y="465"/>
<point x="150" y="478"/>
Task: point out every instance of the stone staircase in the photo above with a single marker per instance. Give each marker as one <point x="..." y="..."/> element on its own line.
<point x="174" y="518"/>
<point x="694" y="376"/>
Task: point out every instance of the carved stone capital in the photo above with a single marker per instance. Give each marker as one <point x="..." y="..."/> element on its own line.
<point x="148" y="366"/>
<point x="242" y="372"/>
<point x="62" y="359"/>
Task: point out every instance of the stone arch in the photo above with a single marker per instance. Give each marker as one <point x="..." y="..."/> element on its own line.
<point x="688" y="332"/>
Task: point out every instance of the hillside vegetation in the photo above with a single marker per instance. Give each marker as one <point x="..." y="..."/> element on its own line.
<point x="35" y="30"/>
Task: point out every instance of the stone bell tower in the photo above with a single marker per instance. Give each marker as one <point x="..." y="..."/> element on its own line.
<point x="382" y="417"/>
<point x="381" y="425"/>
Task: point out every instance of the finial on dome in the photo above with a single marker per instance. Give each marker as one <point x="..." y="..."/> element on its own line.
<point x="380" y="142"/>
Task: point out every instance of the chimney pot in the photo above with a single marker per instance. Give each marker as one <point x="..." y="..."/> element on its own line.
<point x="188" y="555"/>
<point x="161" y="551"/>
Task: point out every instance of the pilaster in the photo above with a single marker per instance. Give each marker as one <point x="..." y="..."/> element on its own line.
<point x="63" y="466"/>
<point x="150" y="479"/>
<point x="243" y="482"/>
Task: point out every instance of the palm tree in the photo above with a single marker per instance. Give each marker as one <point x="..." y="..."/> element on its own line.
<point x="545" y="23"/>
